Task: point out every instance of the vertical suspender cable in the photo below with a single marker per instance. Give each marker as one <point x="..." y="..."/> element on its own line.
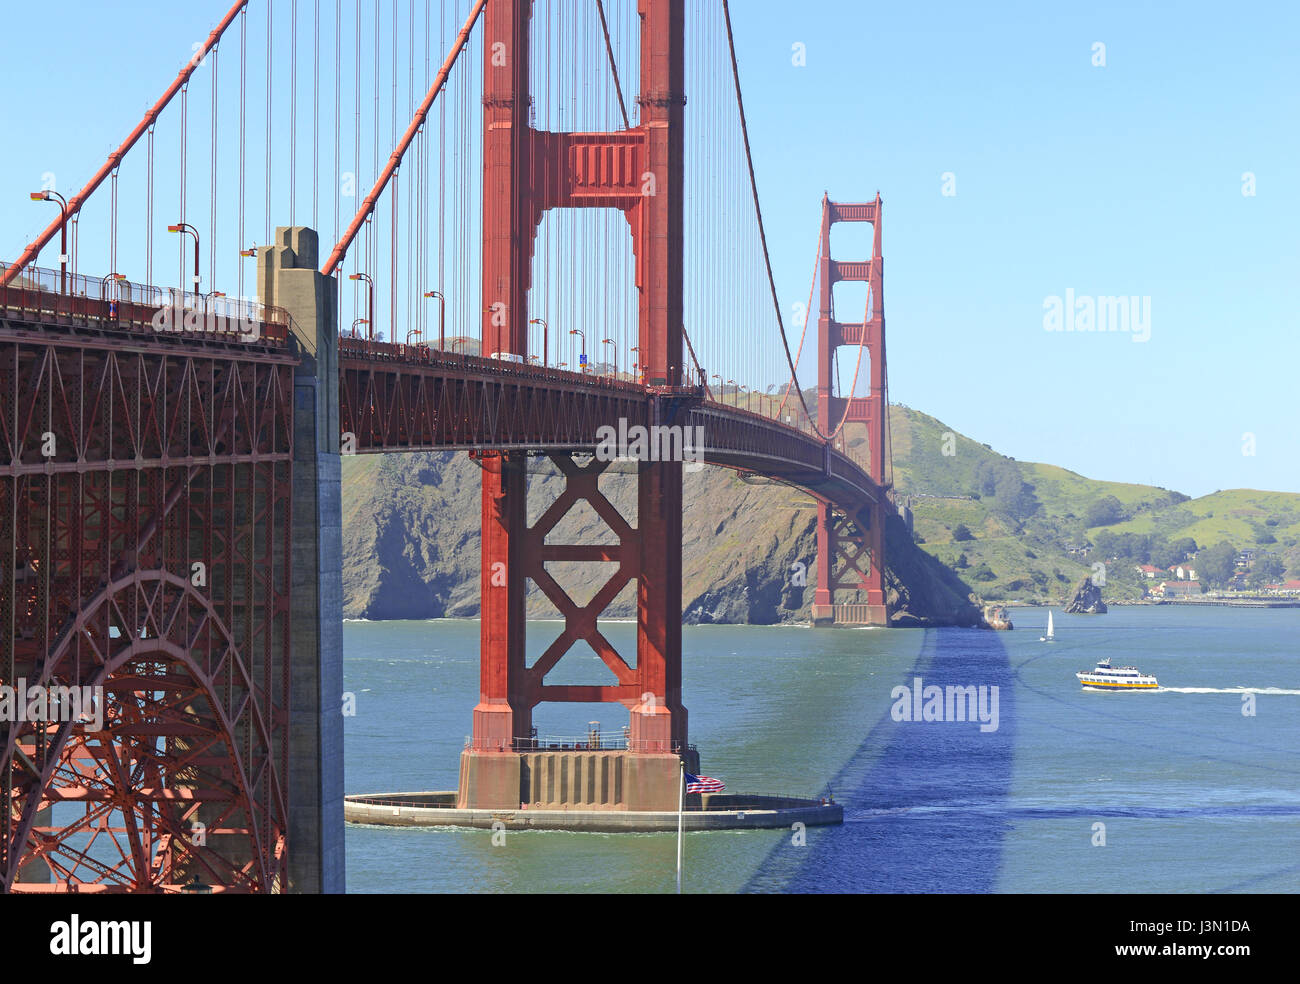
<point x="410" y="198"/>
<point x="442" y="160"/>
<point x="243" y="90"/>
<point x="392" y="295"/>
<point x="212" y="206"/>
<point x="315" y="118"/>
<point x="356" y="149"/>
<point x="270" y="24"/>
<point x="112" y="226"/>
<point x="148" y="216"/>
<point x="293" y="108"/>
<point x="371" y="238"/>
<point x="338" y="124"/>
<point x="185" y="101"/>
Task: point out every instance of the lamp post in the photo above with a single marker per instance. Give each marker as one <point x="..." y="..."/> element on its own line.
<point x="546" y="337"/>
<point x="370" y="302"/>
<point x="442" y="316"/>
<point x="111" y="297"/>
<point x="610" y="341"/>
<point x="54" y="196"/>
<point x="582" y="363"/>
<point x="184" y="228"/>
<point x="358" y="321"/>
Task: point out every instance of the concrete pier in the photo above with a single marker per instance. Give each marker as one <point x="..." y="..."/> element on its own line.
<point x="709" y="812"/>
<point x="287" y="277"/>
<point x="608" y="779"/>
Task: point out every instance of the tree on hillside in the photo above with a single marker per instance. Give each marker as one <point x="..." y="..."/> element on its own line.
<point x="1268" y="570"/>
<point x="1216" y="564"/>
<point x="1164" y="555"/>
<point x="1184" y="547"/>
<point x="962" y="533"/>
<point x="961" y="563"/>
<point x="1104" y="512"/>
<point x="1000" y="480"/>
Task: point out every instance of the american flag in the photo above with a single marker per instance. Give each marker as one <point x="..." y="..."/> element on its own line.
<point x="703" y="784"/>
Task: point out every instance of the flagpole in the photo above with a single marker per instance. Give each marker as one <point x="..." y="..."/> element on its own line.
<point x="681" y="801"/>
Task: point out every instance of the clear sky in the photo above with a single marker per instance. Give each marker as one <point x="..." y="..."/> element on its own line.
<point x="1117" y="179"/>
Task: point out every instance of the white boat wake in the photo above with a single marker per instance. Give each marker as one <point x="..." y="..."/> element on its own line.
<point x="1273" y="691"/>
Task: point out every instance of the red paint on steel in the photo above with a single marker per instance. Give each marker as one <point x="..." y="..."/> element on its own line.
<point x="640" y="172"/>
<point x="850" y="548"/>
<point x="167" y="452"/>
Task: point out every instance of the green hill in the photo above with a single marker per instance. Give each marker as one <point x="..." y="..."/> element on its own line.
<point x="411" y="533"/>
<point x="1034" y="545"/>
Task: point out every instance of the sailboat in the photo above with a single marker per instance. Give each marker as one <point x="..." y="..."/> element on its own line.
<point x="1051" y="635"/>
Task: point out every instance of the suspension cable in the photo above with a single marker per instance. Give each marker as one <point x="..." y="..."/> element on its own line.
<point x="367" y="206"/>
<point x="767" y="259"/>
<point x="613" y="65"/>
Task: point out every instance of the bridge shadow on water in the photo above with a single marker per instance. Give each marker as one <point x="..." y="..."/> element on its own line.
<point x="924" y="801"/>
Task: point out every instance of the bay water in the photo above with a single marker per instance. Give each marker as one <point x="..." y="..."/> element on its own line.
<point x="1191" y="788"/>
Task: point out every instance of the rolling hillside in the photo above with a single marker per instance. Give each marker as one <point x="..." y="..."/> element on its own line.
<point x="411" y="533"/>
<point x="1037" y="555"/>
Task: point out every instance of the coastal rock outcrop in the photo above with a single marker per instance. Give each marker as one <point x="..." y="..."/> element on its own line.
<point x="411" y="547"/>
<point x="1086" y="599"/>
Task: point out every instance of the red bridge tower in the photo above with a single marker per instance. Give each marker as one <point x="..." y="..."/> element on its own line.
<point x="850" y="548"/>
<point x="525" y="172"/>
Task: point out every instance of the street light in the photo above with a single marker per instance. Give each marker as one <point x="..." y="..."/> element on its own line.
<point x="546" y="336"/>
<point x="582" y="363"/>
<point x="370" y="302"/>
<point x="183" y="228"/>
<point x="54" y="196"/>
<point x="610" y="341"/>
<point x="442" y="316"/>
<point x="111" y="298"/>
<point x="358" y="321"/>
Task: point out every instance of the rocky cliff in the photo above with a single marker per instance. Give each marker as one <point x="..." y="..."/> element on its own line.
<point x="1086" y="599"/>
<point x="411" y="547"/>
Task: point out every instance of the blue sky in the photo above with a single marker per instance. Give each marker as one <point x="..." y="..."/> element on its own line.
<point x="1118" y="180"/>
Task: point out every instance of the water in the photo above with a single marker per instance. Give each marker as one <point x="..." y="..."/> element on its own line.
<point x="1194" y="795"/>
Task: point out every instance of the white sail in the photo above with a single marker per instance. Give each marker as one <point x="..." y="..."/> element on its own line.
<point x="1050" y="630"/>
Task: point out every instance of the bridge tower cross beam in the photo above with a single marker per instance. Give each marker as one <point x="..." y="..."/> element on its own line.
<point x="854" y="548"/>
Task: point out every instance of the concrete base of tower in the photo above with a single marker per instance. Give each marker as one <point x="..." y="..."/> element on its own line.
<point x="721" y="811"/>
<point x="829" y="616"/>
<point x="564" y="779"/>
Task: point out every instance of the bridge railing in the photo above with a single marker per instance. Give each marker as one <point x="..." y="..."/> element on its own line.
<point x="115" y="304"/>
<point x="420" y="354"/>
<point x="587" y="743"/>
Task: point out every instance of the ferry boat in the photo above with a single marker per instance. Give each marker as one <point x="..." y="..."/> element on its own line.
<point x="1106" y="677"/>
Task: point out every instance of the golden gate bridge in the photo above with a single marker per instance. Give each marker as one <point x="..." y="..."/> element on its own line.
<point x="170" y="485"/>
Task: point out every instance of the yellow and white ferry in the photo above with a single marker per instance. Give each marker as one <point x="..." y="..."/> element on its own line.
<point x="1104" y="677"/>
